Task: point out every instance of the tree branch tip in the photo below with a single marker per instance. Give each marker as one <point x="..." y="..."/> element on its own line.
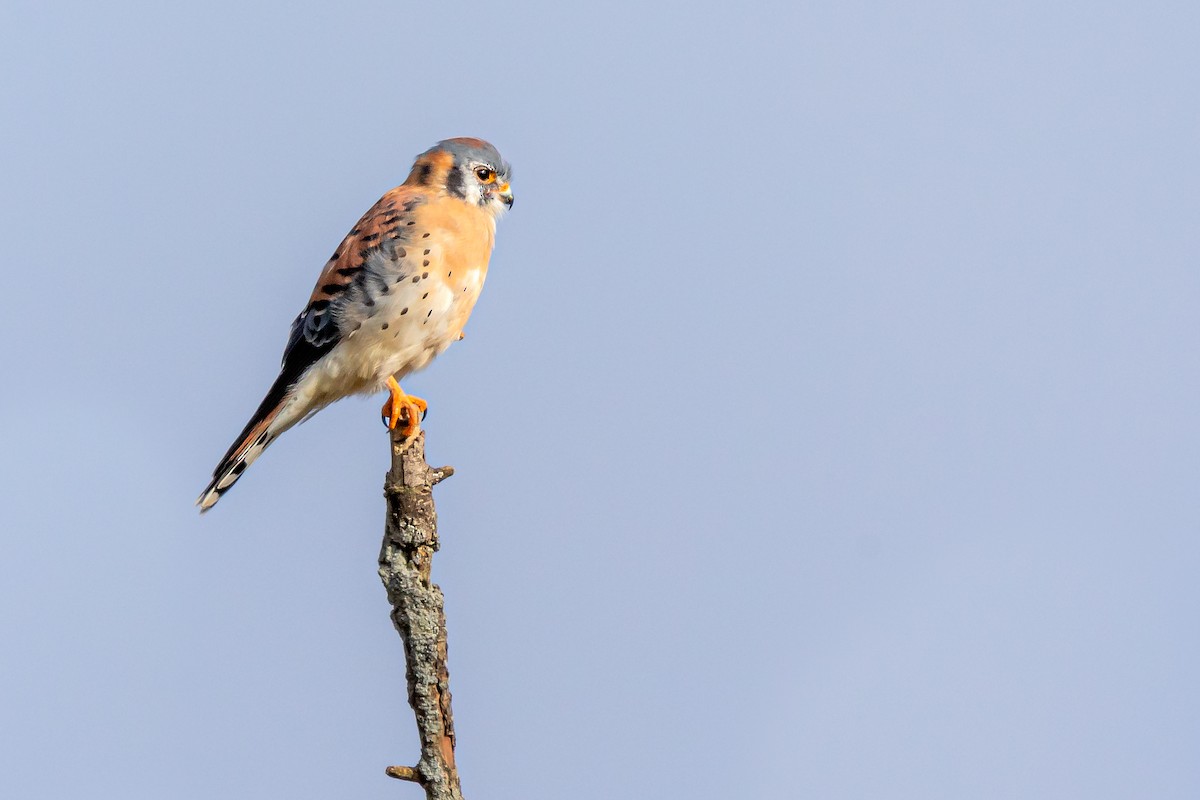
<point x="404" y="774"/>
<point x="401" y="445"/>
<point x="410" y="539"/>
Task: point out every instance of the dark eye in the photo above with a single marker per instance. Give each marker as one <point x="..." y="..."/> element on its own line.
<point x="485" y="175"/>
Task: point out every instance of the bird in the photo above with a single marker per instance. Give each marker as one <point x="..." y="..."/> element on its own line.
<point x="396" y="293"/>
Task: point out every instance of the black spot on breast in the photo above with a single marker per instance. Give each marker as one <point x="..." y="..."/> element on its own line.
<point x="368" y="302"/>
<point x="401" y="252"/>
<point x="426" y="252"/>
<point x="425" y="263"/>
<point x="412" y="222"/>
<point x="425" y="274"/>
<point x="424" y="235"/>
<point x="416" y="278"/>
<point x="404" y="311"/>
<point x="383" y="327"/>
<point x="425" y="295"/>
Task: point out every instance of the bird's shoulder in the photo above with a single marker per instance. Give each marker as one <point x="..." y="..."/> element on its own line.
<point x="384" y="227"/>
<point x="387" y="225"/>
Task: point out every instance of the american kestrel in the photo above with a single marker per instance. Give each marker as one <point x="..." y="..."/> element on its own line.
<point x="396" y="293"/>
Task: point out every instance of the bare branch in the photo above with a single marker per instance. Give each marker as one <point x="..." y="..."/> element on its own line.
<point x="409" y="541"/>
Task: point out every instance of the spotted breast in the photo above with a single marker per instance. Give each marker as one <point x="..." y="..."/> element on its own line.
<point x="412" y="283"/>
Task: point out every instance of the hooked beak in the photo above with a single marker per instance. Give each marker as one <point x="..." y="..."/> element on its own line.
<point x="506" y="195"/>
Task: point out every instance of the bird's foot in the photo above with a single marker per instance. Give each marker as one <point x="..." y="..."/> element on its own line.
<point x="403" y="410"/>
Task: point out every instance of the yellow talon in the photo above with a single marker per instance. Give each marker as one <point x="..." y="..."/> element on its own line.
<point x="403" y="408"/>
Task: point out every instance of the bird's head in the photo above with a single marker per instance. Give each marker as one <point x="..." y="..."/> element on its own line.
<point x="470" y="169"/>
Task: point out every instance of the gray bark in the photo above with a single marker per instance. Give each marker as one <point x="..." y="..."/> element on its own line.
<point x="409" y="541"/>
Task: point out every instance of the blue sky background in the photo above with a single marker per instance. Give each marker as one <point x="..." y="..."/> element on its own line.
<point x="828" y="426"/>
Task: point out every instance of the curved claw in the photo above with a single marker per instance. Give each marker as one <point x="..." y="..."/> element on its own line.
<point x="402" y="409"/>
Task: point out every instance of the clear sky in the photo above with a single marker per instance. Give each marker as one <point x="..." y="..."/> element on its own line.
<point x="828" y="426"/>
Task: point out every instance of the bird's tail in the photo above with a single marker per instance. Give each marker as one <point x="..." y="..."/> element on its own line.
<point x="263" y="428"/>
